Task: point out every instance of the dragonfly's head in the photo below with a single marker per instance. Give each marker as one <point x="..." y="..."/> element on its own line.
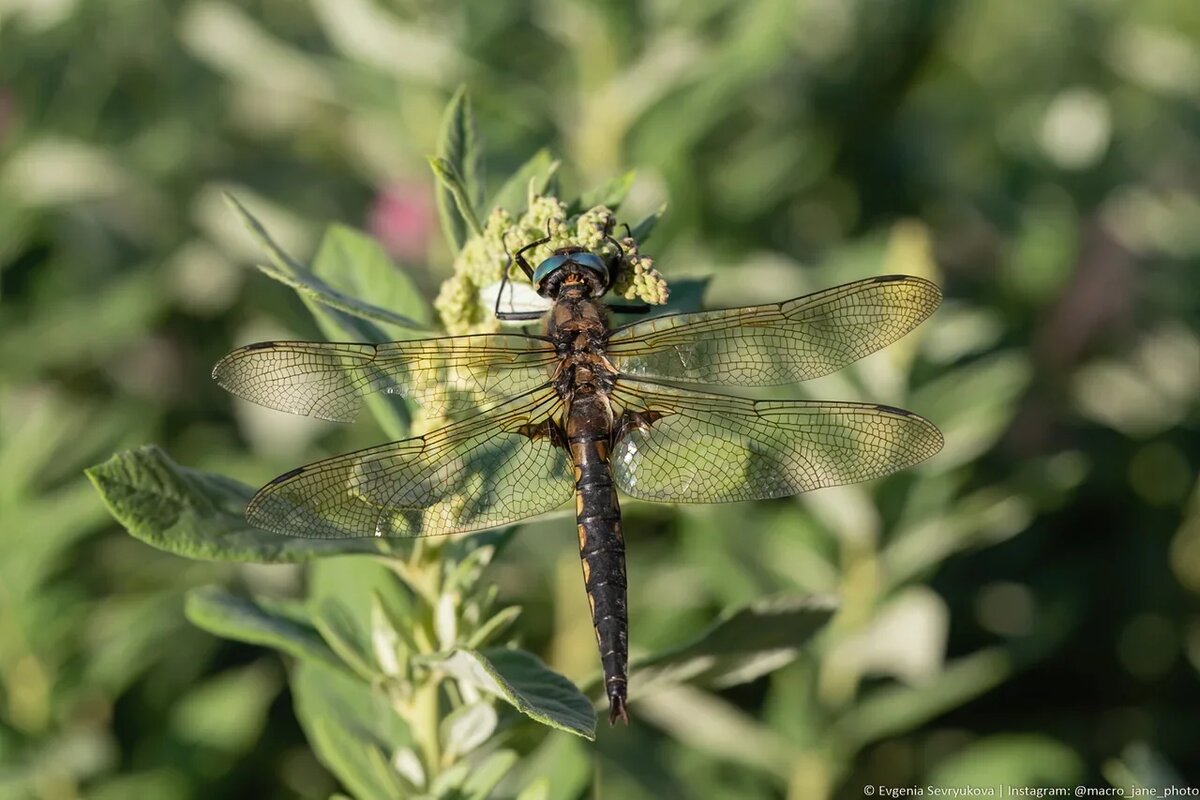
<point x="573" y="264"/>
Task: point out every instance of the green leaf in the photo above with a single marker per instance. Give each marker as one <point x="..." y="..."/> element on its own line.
<point x="1015" y="759"/>
<point x="354" y="581"/>
<point x="198" y="514"/>
<point x="563" y="766"/>
<point x="326" y="293"/>
<point x="457" y="165"/>
<point x="742" y="646"/>
<point x="531" y="178"/>
<point x="521" y="679"/>
<point x="287" y="270"/>
<point x="642" y="230"/>
<point x="357" y="266"/>
<point x="310" y="287"/>
<point x="357" y="762"/>
<point x="466" y="728"/>
<point x="484" y="778"/>
<point x="896" y="708"/>
<point x="610" y="194"/>
<point x="452" y="185"/>
<point x="494" y="626"/>
<point x="227" y="713"/>
<point x="256" y="622"/>
<point x="687" y="295"/>
<point x="353" y="729"/>
<point x="344" y="637"/>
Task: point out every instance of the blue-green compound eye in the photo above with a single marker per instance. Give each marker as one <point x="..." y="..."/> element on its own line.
<point x="589" y="261"/>
<point x="593" y="262"/>
<point x="548" y="266"/>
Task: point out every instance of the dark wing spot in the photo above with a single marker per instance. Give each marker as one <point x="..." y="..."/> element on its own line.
<point x="287" y="476"/>
<point x="891" y="278"/>
<point x="258" y="346"/>
<point x="900" y="412"/>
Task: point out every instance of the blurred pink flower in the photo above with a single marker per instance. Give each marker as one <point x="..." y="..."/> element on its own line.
<point x="402" y="219"/>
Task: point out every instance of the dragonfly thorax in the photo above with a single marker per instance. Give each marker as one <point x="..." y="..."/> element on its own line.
<point x="570" y="265"/>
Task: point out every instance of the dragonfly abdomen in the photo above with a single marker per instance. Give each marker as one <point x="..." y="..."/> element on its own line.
<point x="601" y="545"/>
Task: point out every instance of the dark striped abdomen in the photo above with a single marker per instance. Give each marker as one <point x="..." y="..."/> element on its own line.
<point x="601" y="545"/>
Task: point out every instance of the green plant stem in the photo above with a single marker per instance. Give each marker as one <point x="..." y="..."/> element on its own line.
<point x="426" y="719"/>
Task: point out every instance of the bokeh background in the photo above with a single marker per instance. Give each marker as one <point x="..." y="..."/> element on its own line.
<point x="1022" y="609"/>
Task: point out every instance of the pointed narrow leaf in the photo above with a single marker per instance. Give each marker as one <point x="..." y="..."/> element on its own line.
<point x="521" y="679"/>
<point x="244" y="620"/>
<point x="513" y="196"/>
<point x="310" y="287"/>
<point x="198" y="514"/>
<point x="287" y="270"/>
<point x="459" y="156"/>
<point x="340" y="316"/>
<point x="452" y="184"/>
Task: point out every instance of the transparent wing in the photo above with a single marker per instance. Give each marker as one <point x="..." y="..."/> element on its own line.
<point x="491" y="469"/>
<point x="780" y="343"/>
<point x="328" y="379"/>
<point x="708" y="448"/>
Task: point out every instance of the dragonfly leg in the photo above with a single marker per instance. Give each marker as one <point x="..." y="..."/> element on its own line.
<point x="630" y="308"/>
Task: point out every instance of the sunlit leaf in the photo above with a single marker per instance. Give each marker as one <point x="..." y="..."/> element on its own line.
<point x="488" y="773"/>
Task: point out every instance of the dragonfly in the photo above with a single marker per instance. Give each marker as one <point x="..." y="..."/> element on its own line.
<point x="584" y="409"/>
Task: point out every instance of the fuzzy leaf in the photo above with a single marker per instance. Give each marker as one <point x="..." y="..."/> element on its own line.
<point x="521" y="679"/>
<point x="198" y="514"/>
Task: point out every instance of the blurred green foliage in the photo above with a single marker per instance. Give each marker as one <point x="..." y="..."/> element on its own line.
<point x="1022" y="608"/>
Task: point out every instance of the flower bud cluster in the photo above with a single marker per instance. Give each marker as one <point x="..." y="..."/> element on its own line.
<point x="462" y="301"/>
